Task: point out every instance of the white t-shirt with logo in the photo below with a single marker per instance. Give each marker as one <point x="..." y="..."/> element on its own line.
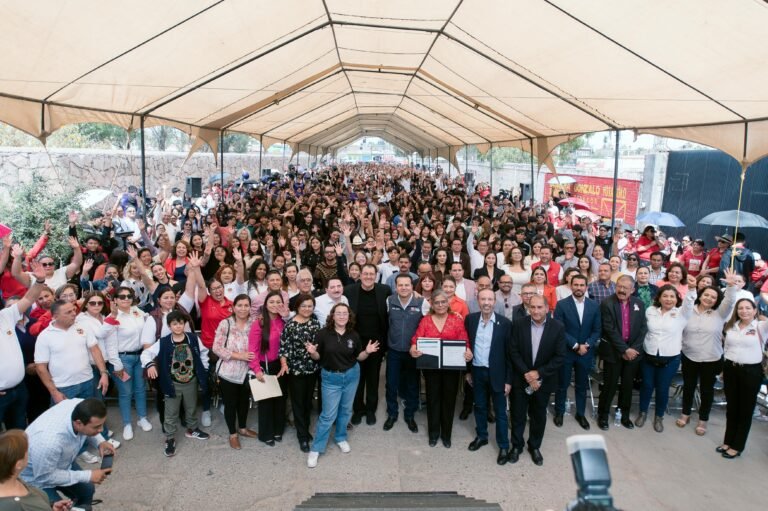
<point x="11" y="358"/>
<point x="66" y="353"/>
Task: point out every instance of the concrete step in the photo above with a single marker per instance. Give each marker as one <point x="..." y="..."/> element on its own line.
<point x="394" y="501"/>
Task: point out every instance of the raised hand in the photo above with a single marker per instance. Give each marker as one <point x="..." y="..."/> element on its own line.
<point x="17" y="251"/>
<point x="132" y="253"/>
<point x="7" y="241"/>
<point x="373" y="347"/>
<point x="88" y="265"/>
<point x="37" y="270"/>
<point x="194" y="260"/>
<point x="237" y="254"/>
<point x="730" y="277"/>
<point x="73" y="243"/>
<point x="72" y="217"/>
<point x="47" y="226"/>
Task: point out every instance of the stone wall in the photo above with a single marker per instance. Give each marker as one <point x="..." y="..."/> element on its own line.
<point x="118" y="169"/>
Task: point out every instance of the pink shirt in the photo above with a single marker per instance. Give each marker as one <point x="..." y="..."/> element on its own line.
<point x="254" y="342"/>
<point x="624" y="320"/>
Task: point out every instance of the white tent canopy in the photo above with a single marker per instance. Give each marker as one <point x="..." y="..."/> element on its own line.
<point x="429" y="76"/>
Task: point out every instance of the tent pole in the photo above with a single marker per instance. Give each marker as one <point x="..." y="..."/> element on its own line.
<point x="282" y="160"/>
<point x="533" y="177"/>
<point x="143" y="173"/>
<point x="261" y="150"/>
<point x="491" y="180"/>
<point x="221" y="162"/>
<point x="615" y="182"/>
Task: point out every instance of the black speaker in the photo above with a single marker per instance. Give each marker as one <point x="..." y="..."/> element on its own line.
<point x="194" y="187"/>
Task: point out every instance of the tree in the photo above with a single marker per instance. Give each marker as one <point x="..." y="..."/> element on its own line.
<point x="31" y="205"/>
<point x="236" y="143"/>
<point x="106" y="135"/>
<point x="567" y="150"/>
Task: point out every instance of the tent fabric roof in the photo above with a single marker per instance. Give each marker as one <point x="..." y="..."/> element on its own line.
<point x="431" y="75"/>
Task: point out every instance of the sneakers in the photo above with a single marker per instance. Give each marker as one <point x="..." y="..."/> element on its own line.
<point x="128" y="432"/>
<point x="114" y="443"/>
<point x="89" y="458"/>
<point x="170" y="447"/>
<point x="144" y="424"/>
<point x="205" y="419"/>
<point x="197" y="433"/>
<point x="344" y="446"/>
<point x="312" y="459"/>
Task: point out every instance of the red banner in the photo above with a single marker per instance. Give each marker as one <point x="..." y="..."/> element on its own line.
<point x="598" y="193"/>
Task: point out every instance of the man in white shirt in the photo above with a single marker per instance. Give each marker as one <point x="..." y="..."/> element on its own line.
<point x="13" y="392"/>
<point x="334" y="293"/>
<point x="476" y="257"/>
<point x="61" y="356"/>
<point x="390" y="267"/>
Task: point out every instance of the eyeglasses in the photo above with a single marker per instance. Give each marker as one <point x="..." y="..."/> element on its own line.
<point x="440" y="302"/>
<point x="48" y="265"/>
<point x="124" y="297"/>
<point x="507" y="282"/>
<point x="632" y="259"/>
<point x="341" y="313"/>
<point x="570" y="248"/>
<point x="95" y="302"/>
<point x="527" y="294"/>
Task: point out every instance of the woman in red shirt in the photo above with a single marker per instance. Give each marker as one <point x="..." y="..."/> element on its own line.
<point x="648" y="243"/>
<point x="441" y="385"/>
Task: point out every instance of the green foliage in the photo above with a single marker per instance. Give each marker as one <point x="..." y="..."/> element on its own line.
<point x="567" y="150"/>
<point x="31" y="205"/>
<point x="236" y="143"/>
<point x="502" y="155"/>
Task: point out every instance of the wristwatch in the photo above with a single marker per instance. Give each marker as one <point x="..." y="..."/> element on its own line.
<point x="39" y="281"/>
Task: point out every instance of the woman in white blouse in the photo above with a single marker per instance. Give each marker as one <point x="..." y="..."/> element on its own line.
<point x="122" y="330"/>
<point x="232" y="277"/>
<point x="666" y="320"/>
<point x="742" y="374"/>
<point x="702" y="357"/>
<point x="516" y="268"/>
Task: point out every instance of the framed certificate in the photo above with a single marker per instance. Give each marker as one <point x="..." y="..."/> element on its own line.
<point x="440" y="354"/>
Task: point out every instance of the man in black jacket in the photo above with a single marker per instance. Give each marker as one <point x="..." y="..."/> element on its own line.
<point x="621" y="348"/>
<point x="368" y="300"/>
<point x="536" y="352"/>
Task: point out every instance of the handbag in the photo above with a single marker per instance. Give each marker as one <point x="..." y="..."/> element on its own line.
<point x="214" y="381"/>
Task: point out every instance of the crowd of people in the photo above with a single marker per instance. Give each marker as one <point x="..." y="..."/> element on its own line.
<point x="315" y="278"/>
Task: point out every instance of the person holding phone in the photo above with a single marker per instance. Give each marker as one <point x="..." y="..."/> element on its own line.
<point x="55" y="439"/>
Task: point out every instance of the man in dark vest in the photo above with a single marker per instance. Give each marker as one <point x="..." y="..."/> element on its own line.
<point x="405" y="313"/>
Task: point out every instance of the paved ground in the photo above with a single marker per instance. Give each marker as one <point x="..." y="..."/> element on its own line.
<point x="675" y="470"/>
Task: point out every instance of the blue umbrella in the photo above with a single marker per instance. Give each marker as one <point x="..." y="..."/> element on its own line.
<point x="217" y="177"/>
<point x="728" y="218"/>
<point x="659" y="218"/>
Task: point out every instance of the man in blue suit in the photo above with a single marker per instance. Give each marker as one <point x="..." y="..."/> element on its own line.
<point x="490" y="371"/>
<point x="581" y="317"/>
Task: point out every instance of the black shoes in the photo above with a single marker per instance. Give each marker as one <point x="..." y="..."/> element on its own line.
<point x="270" y="443"/>
<point x="602" y="423"/>
<point x="514" y="455"/>
<point x="477" y="443"/>
<point x="389" y="423"/>
<point x="412" y="425"/>
<point x="446" y="443"/>
<point x="304" y="446"/>
<point x="278" y="438"/>
<point x="627" y="422"/>
<point x="503" y="457"/>
<point x="432" y="442"/>
<point x="465" y="413"/>
<point x="583" y="422"/>
<point x="536" y="456"/>
<point x="170" y="447"/>
<point x="357" y="418"/>
<point x="558" y="420"/>
<point x="370" y="418"/>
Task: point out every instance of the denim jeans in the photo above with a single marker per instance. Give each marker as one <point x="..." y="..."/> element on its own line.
<point x="338" y="391"/>
<point x="133" y="388"/>
<point x="80" y="493"/>
<point x="402" y="377"/>
<point x="658" y="379"/>
<point x="82" y="390"/>
<point x="13" y="407"/>
<point x="481" y="387"/>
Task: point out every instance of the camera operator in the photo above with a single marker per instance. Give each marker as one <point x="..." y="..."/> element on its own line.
<point x="55" y="440"/>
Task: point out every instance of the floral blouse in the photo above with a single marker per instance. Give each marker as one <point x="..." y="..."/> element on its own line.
<point x="292" y="341"/>
<point x="231" y="339"/>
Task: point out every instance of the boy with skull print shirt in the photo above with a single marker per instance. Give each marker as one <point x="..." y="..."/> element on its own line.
<point x="180" y="362"/>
